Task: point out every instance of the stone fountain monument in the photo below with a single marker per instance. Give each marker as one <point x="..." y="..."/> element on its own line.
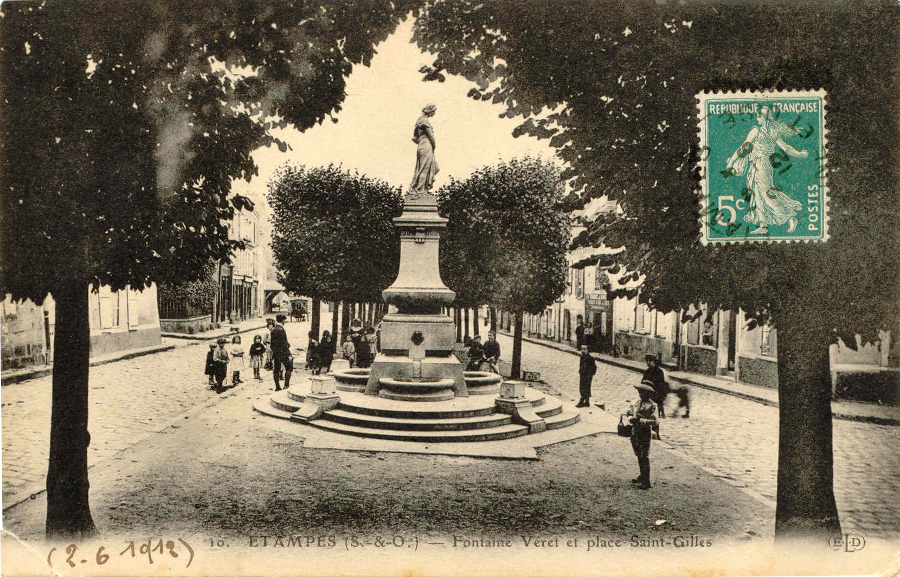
<point x="416" y="360"/>
<point x="416" y="389"/>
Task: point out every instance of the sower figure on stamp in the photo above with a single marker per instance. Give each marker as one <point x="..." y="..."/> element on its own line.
<point x="587" y="367"/>
<point x="768" y="204"/>
<point x="281" y="352"/>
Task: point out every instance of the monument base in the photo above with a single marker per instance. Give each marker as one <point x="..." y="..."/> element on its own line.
<point x="413" y="371"/>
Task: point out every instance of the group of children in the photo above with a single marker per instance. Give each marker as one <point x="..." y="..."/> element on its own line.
<point x="218" y="360"/>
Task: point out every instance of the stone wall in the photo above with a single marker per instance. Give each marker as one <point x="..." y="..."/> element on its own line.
<point x="758" y="371"/>
<point x="188" y="326"/>
<point x="700" y="360"/>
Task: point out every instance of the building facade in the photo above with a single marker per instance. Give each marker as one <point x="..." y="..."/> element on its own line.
<point x="119" y="321"/>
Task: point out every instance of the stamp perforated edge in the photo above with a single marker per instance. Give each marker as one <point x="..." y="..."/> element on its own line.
<point x="703" y="163"/>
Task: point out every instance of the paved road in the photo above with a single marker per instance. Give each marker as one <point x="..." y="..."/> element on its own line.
<point x="129" y="401"/>
<point x="134" y="399"/>
<point x="740" y="438"/>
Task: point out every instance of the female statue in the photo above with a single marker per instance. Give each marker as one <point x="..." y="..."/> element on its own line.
<point x="426" y="165"/>
<point x="768" y="204"/>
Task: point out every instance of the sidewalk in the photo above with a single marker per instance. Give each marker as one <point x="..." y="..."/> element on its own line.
<point x="844" y="410"/>
<point x="19" y="375"/>
<point x="225" y="330"/>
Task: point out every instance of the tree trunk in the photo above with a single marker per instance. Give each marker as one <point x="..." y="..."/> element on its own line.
<point x="334" y="320"/>
<point x="475" y="321"/>
<point x="68" y="509"/>
<point x="806" y="507"/>
<point x="316" y="317"/>
<point x="516" y="370"/>
<point x="371" y="315"/>
<point x="493" y="313"/>
<point x="466" y="321"/>
<point x="457" y="318"/>
<point x="345" y="319"/>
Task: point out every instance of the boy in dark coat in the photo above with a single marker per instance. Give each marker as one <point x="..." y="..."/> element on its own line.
<point x="587" y="367"/>
<point x="211" y="366"/>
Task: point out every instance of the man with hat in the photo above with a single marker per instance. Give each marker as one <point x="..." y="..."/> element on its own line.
<point x="643" y="415"/>
<point x="281" y="352"/>
<point x="587" y="367"/>
<point x="657" y="380"/>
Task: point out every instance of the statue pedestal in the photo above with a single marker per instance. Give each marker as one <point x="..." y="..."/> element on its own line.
<point x="417" y="340"/>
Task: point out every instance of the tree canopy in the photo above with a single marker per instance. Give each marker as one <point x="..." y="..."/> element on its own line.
<point x="613" y="85"/>
<point x="332" y="233"/>
<point x="506" y="238"/>
<point x="121" y="130"/>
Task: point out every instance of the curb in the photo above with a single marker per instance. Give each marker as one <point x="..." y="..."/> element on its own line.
<point x="43" y="372"/>
<point x="202" y="337"/>
<point x="761" y="400"/>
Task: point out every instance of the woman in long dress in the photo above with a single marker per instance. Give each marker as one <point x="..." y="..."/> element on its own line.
<point x="426" y="165"/>
<point x="768" y="204"/>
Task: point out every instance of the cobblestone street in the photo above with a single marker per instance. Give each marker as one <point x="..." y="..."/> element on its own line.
<point x="740" y="438"/>
<point x="130" y="400"/>
<point x="134" y="399"/>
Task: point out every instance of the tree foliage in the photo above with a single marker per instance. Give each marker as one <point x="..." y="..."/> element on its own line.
<point x="506" y="238"/>
<point x="613" y="84"/>
<point x="121" y="130"/>
<point x="332" y="234"/>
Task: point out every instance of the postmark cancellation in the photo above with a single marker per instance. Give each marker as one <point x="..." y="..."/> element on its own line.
<point x="763" y="166"/>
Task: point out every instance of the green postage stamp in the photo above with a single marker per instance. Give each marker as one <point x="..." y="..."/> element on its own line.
<point x="763" y="166"/>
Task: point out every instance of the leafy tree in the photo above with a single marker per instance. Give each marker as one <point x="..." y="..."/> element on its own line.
<point x="506" y="239"/>
<point x="121" y="131"/>
<point x="332" y="234"/>
<point x="613" y="85"/>
<point x="198" y="296"/>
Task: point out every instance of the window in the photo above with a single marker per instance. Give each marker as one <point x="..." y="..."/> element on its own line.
<point x="703" y="330"/>
<point x="641" y="319"/>
<point x="133" y="318"/>
<point x="569" y="282"/>
<point x="766" y="341"/>
<point x="579" y="283"/>
<point x="109" y="308"/>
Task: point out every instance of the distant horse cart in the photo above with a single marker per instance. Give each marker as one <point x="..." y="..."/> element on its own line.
<point x="299" y="309"/>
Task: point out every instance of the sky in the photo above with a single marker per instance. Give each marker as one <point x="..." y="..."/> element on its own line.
<point x="374" y="130"/>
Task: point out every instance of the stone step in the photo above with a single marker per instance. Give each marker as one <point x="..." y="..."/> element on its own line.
<point x="491" y="434"/>
<point x="285" y="401"/>
<point x="265" y="407"/>
<point x="429" y="397"/>
<point x="550" y="407"/>
<point x="457" y="424"/>
<point x="563" y="419"/>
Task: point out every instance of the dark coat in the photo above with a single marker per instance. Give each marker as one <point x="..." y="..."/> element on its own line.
<point x="587" y="367"/>
<point x="491" y="349"/>
<point x="281" y="348"/>
<point x="656" y="376"/>
<point x="210" y="363"/>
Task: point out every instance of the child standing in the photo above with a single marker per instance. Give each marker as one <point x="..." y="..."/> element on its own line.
<point x="644" y="417"/>
<point x="349" y="350"/>
<point x="211" y="366"/>
<point x="220" y="358"/>
<point x="257" y="350"/>
<point x="312" y="355"/>
<point x="237" y="356"/>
